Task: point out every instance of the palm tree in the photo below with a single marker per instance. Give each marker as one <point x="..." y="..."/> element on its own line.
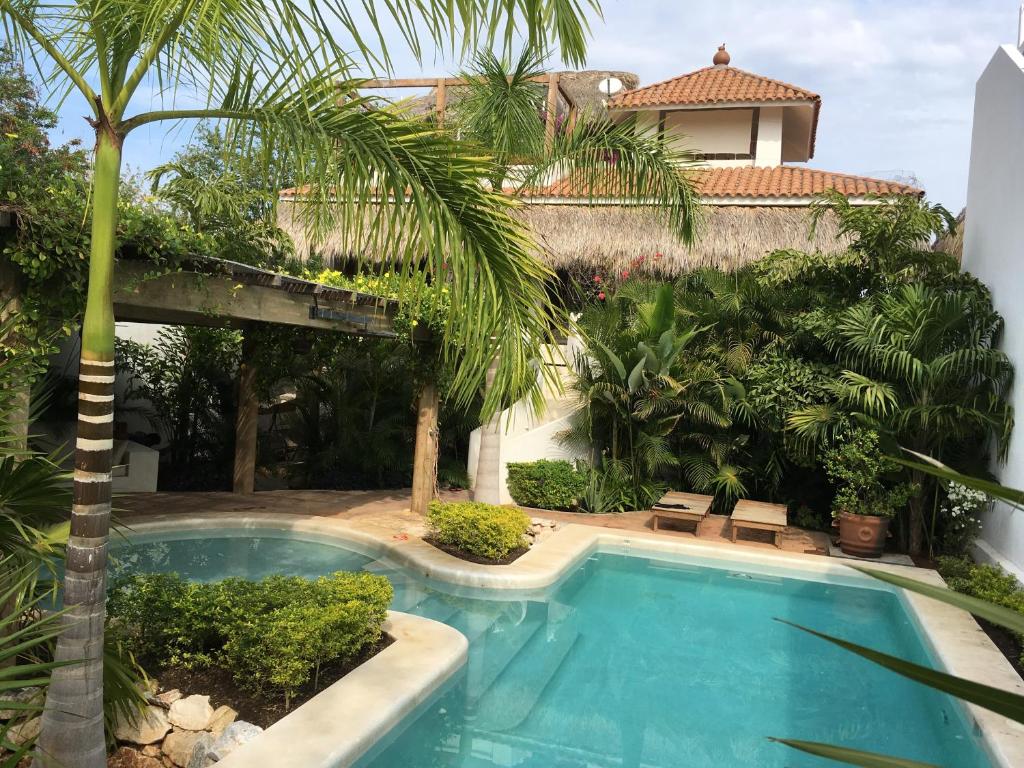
<point x="920" y="366"/>
<point x="278" y="78"/>
<point x="502" y="109"/>
<point x="647" y="399"/>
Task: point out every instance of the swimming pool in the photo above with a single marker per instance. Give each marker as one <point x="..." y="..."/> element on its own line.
<point x="629" y="661"/>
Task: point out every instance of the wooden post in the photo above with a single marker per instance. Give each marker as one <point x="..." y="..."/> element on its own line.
<point x="424" y="465"/>
<point x="247" y="423"/>
<point x="442" y="99"/>
<point x="549" y="127"/>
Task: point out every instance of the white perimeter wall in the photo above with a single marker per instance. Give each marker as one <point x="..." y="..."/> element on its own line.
<point x="994" y="252"/>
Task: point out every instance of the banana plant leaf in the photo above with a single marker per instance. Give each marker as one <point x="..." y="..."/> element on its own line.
<point x="1001" y="702"/>
<point x="851" y="756"/>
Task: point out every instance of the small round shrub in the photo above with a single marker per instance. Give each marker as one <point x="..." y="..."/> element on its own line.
<point x="546" y="484"/>
<point x="478" y="529"/>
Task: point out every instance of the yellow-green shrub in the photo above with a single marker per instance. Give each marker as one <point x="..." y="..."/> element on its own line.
<point x="273" y="635"/>
<point x="480" y="529"/>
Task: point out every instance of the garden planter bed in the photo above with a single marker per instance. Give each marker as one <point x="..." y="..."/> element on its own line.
<point x="471" y="558"/>
<point x="263" y="711"/>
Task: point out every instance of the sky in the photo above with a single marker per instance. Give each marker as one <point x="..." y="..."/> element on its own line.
<point x="896" y="78"/>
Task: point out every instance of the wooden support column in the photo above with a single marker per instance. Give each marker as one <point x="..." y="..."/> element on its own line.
<point x="442" y="99"/>
<point x="424" y="465"/>
<point x="552" y="108"/>
<point x="247" y="423"/>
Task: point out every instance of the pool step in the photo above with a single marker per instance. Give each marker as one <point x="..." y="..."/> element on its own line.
<point x="490" y="656"/>
<point x="513" y="696"/>
<point x="435" y="607"/>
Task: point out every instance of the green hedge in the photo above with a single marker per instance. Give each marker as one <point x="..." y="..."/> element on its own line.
<point x="985" y="582"/>
<point x="272" y="635"/>
<point x="546" y="484"/>
<point x="480" y="529"/>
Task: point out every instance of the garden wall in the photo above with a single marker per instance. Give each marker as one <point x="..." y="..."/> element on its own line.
<point x="993" y="251"/>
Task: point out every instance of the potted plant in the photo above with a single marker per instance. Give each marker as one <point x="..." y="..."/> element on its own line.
<point x="865" y="500"/>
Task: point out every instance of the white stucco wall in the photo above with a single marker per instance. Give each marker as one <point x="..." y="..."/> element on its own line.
<point x="993" y="248"/>
<point x="769" y="137"/>
<point x="712" y="130"/>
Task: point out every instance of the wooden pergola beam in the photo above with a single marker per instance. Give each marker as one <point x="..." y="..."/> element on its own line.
<point x="441" y="84"/>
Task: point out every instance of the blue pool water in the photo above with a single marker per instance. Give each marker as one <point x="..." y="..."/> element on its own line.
<point x="632" y="662"/>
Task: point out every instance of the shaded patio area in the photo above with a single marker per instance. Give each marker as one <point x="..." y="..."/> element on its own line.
<point x="387" y="514"/>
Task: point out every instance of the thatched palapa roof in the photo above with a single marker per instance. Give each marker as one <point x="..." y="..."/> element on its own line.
<point x="612" y="236"/>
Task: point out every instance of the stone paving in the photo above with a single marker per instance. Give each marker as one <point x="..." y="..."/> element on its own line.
<point x="387" y="513"/>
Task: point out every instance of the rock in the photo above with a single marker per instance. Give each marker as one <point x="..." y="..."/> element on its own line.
<point x="152" y="750"/>
<point x="31" y="695"/>
<point x="191" y="713"/>
<point x="22" y="733"/>
<point x="126" y="757"/>
<point x="200" y="757"/>
<point x="234" y="736"/>
<point x="148" y="727"/>
<point x="222" y="718"/>
<point x="166" y="761"/>
<point x="168" y="697"/>
<point x="178" y="745"/>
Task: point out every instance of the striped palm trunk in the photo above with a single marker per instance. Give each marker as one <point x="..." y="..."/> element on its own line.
<point x="72" y="729"/>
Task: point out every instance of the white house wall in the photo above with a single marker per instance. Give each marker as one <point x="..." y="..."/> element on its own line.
<point x="993" y="241"/>
<point x="769" y="137"/>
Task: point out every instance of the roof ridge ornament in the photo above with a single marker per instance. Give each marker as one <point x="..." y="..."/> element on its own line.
<point x="722" y="57"/>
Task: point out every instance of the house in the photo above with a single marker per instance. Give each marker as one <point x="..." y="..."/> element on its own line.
<point x="751" y="134"/>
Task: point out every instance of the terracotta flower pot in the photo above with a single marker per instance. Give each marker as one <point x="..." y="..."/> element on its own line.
<point x="862" y="535"/>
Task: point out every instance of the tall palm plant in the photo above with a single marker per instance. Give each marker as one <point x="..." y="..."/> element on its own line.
<point x="503" y="110"/>
<point x="273" y="72"/>
<point x="921" y="365"/>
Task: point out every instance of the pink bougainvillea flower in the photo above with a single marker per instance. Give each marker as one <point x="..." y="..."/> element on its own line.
<point x="601" y="296"/>
<point x="625" y="274"/>
<point x="597" y="278"/>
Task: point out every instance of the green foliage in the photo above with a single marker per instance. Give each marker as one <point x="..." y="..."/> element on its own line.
<point x="546" y="484"/>
<point x="273" y="635"/>
<point x="859" y="469"/>
<point x="479" y="529"/>
<point x="613" y="487"/>
<point x="188" y="377"/>
<point x="985" y="582"/>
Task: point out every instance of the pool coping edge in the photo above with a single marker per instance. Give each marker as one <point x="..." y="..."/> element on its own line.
<point x="367" y="703"/>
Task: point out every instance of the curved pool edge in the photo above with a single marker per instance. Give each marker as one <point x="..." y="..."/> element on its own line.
<point x="961" y="647"/>
<point x="338" y="725"/>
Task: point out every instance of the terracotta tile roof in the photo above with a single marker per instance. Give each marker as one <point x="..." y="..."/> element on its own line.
<point x="712" y="85"/>
<point x="786" y="181"/>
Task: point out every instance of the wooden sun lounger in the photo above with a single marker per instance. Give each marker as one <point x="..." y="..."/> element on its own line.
<point x="759" y="515"/>
<point x="676" y="505"/>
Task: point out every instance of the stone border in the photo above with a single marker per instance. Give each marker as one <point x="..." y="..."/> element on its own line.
<point x="340" y="723"/>
<point x="955" y="639"/>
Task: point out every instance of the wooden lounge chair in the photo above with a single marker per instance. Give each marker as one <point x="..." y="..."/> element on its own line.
<point x="676" y="505"/>
<point x="759" y="515"/>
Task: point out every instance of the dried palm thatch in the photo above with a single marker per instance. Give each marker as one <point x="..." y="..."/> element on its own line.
<point x="953" y="242"/>
<point x="612" y="237"/>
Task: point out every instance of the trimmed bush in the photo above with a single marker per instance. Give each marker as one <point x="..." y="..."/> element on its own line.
<point x="273" y="635"/>
<point x="546" y="484"/>
<point x="479" y="529"/>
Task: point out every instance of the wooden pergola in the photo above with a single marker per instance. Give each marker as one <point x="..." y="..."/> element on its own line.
<point x="224" y="294"/>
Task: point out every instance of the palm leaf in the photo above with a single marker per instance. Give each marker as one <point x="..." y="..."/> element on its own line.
<point x="851" y="756"/>
<point x="1001" y="702"/>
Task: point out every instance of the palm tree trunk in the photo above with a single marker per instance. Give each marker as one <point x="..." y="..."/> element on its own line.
<point x="72" y="729"/>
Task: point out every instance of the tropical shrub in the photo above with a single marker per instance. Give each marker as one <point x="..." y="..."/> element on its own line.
<point x="187" y="379"/>
<point x="961" y="512"/>
<point x="612" y="488"/>
<point x="546" y="484"/>
<point x="985" y="582"/>
<point x="273" y="635"/>
<point x="478" y="529"/>
<point x="859" y="469"/>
